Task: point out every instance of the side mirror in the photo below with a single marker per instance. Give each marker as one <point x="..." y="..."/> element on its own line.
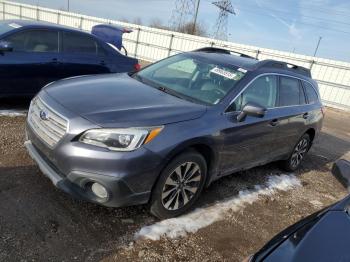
<point x="341" y="170"/>
<point x="251" y="109"/>
<point x="5" y="46"/>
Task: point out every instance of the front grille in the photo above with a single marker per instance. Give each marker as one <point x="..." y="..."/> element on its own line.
<point x="46" y="123"/>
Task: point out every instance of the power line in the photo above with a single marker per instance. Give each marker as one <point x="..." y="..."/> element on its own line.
<point x="225" y="9"/>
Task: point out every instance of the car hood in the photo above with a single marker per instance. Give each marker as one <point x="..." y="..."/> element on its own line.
<point x="308" y="239"/>
<point x="117" y="100"/>
<point x="325" y="240"/>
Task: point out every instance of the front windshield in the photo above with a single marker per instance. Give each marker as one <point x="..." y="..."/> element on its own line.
<point x="193" y="77"/>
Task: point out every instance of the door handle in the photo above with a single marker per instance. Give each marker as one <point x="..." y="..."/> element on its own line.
<point x="274" y="122"/>
<point x="54" y="61"/>
<point x="102" y="62"/>
<point x="306" y="115"/>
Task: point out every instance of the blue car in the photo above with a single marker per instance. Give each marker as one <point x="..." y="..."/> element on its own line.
<point x="323" y="236"/>
<point x="33" y="54"/>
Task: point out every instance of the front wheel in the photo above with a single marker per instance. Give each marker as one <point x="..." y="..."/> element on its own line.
<point x="179" y="185"/>
<point x="298" y="154"/>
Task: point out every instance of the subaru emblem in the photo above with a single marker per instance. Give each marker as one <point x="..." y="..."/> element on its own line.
<point x="44" y="115"/>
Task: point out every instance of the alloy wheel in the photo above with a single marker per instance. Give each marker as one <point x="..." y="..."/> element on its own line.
<point x="181" y="186"/>
<point x="299" y="152"/>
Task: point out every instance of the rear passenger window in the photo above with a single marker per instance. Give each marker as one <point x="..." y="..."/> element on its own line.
<point x="310" y="93"/>
<point x="291" y="93"/>
<point x="78" y="43"/>
<point x="262" y="91"/>
<point x="34" y="41"/>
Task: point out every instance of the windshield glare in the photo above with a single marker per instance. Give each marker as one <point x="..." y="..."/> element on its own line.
<point x="193" y="77"/>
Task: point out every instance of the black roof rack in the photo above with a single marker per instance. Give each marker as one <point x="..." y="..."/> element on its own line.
<point x="286" y="66"/>
<point x="222" y="51"/>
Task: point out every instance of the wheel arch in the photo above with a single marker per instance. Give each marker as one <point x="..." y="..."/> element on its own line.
<point x="205" y="147"/>
<point x="312" y="133"/>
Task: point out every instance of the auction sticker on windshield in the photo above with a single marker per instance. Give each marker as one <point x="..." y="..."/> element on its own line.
<point x="223" y="73"/>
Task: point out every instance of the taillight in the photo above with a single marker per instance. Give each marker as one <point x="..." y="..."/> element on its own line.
<point x="137" y="67"/>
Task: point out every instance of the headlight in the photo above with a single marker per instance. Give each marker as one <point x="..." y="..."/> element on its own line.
<point x="120" y="139"/>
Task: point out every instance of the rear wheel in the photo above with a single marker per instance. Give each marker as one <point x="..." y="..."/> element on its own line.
<point x="298" y="154"/>
<point x="179" y="185"/>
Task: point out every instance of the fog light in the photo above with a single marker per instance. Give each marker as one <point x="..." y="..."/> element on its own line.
<point x="99" y="190"/>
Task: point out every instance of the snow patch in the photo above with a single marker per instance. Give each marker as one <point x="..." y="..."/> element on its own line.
<point x="316" y="203"/>
<point x="203" y="217"/>
<point x="12" y="113"/>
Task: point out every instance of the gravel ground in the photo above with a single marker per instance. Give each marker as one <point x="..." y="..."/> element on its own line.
<point x="40" y="223"/>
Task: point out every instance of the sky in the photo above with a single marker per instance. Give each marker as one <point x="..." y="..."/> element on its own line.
<point x="286" y="25"/>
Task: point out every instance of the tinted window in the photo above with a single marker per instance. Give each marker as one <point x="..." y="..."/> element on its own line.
<point x="262" y="91"/>
<point x="291" y="92"/>
<point x="34" y="41"/>
<point x="310" y="93"/>
<point x="78" y="43"/>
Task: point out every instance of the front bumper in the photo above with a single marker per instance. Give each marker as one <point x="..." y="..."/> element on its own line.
<point x="76" y="183"/>
<point x="73" y="166"/>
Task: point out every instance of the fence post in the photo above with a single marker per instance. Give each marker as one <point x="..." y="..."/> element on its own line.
<point x="3" y="10"/>
<point x="58" y="17"/>
<point x="171" y="44"/>
<point x="212" y="44"/>
<point x="312" y="64"/>
<point x="20" y="12"/>
<point x="37" y="14"/>
<point x="81" y="22"/>
<point x="257" y="54"/>
<point x="137" y="41"/>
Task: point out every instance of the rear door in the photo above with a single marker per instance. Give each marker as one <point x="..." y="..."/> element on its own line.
<point x="292" y="106"/>
<point x="81" y="55"/>
<point x="32" y="63"/>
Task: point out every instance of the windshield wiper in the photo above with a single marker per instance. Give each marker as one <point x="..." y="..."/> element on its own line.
<point x="169" y="91"/>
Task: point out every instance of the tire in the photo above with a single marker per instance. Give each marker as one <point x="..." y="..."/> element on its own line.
<point x="179" y="185"/>
<point x="299" y="151"/>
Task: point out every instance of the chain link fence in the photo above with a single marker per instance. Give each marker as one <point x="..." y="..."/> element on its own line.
<point x="152" y="44"/>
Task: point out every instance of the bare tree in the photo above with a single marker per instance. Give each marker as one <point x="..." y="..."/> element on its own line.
<point x="137" y="21"/>
<point x="157" y="23"/>
<point x="187" y="28"/>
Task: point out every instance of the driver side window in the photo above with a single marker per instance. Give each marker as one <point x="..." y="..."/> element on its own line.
<point x="262" y="91"/>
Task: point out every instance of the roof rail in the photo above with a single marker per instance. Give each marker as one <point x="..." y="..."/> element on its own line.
<point x="222" y="51"/>
<point x="286" y="66"/>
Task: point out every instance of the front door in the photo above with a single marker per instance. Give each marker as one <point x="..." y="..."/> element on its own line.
<point x="32" y="63"/>
<point x="253" y="141"/>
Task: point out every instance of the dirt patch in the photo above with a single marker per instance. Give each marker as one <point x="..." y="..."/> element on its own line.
<point x="38" y="222"/>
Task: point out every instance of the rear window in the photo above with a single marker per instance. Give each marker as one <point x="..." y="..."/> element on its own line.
<point x="291" y="92"/>
<point x="310" y="93"/>
<point x="79" y="43"/>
